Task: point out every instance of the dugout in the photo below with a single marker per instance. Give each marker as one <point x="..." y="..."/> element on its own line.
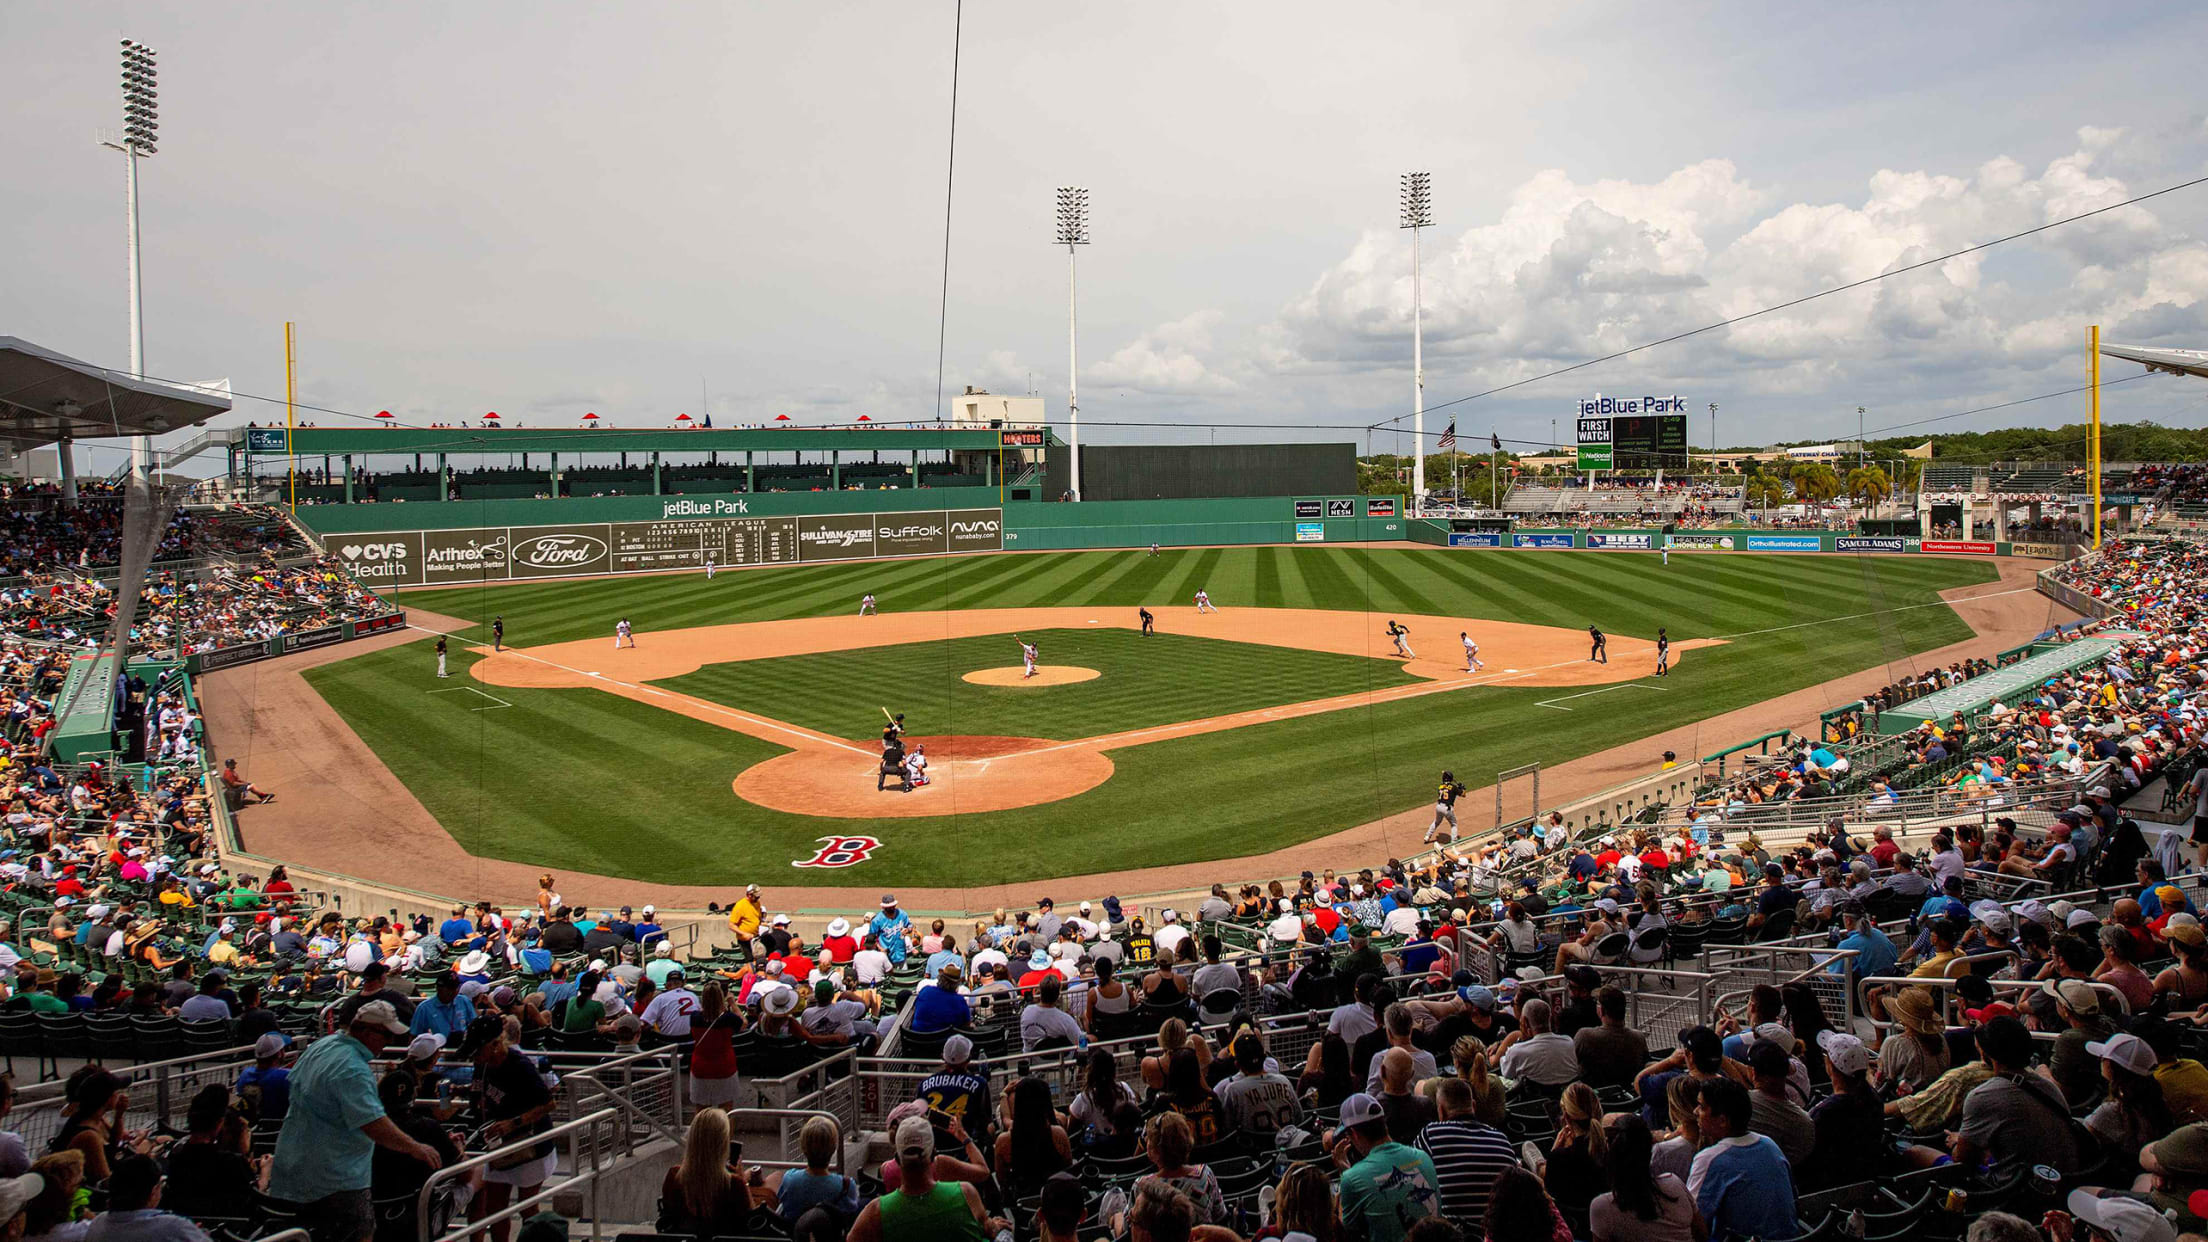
<point x="1202" y="471"/>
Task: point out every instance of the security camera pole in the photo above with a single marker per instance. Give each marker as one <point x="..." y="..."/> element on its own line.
<point x="141" y="124"/>
<point x="1073" y="230"/>
<point x="1417" y="214"/>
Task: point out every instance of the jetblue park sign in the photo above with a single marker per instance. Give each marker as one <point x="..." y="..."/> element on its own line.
<point x="1599" y="406"/>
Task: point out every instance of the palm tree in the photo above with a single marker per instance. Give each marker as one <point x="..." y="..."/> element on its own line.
<point x="1869" y="485"/>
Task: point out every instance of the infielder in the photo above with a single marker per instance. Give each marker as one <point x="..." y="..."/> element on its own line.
<point x="441" y="656"/>
<point x="1471" y="653"/>
<point x="867" y="608"/>
<point x="621" y="635"/>
<point x="1663" y="653"/>
<point x="1027" y="655"/>
<point x="1401" y="633"/>
<point x="1599" y="650"/>
<point x="1445" y="807"/>
<point x="1203" y="602"/>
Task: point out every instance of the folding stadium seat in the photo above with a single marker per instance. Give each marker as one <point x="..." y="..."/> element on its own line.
<point x="114" y="1040"/>
<point x="20" y="1037"/>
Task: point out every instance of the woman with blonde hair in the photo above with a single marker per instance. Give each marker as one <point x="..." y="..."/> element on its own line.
<point x="1469" y="1056"/>
<point x="818" y="1184"/>
<point x="1578" y="1165"/>
<point x="709" y="1192"/>
<point x="547" y="900"/>
<point x="1674" y="1151"/>
<point x="1170" y="1143"/>
<point x="60" y="1211"/>
<point x="1304" y="1203"/>
<point x="1172" y="1037"/>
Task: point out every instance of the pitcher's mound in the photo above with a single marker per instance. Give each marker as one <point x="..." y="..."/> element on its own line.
<point x="1045" y="675"/>
<point x="970" y="774"/>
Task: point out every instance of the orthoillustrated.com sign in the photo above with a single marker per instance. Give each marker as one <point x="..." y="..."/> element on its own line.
<point x="1785" y="543"/>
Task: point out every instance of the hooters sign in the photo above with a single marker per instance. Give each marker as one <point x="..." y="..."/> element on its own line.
<point x="841" y="852"/>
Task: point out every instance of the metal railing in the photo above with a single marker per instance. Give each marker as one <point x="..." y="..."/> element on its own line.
<point x="644" y="1089"/>
<point x="159" y="1092"/>
<point x="580" y="1174"/>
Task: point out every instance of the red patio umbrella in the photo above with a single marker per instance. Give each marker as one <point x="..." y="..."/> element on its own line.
<point x="866" y="418"/>
<point x="385" y="414"/>
<point x="682" y="418"/>
<point x="590" y="418"/>
<point x="492" y="414"/>
<point x="781" y="418"/>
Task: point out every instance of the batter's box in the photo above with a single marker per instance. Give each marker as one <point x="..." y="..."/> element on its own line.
<point x="495" y="704"/>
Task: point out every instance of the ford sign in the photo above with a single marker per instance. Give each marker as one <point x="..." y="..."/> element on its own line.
<point x="560" y="551"/>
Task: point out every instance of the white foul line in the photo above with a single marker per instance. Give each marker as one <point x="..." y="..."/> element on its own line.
<point x="1551" y="704"/>
<point x="472" y="690"/>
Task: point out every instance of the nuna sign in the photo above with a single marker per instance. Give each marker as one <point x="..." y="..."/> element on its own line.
<point x="1600" y="406"/>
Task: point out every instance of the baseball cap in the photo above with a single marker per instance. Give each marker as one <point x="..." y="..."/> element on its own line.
<point x="2081" y="918"/>
<point x="2126" y="1220"/>
<point x="2127" y="1051"/>
<point x="1480" y="998"/>
<point x="17" y="1192"/>
<point x="628" y="1026"/>
<point x="1359" y="1109"/>
<point x="380" y="1013"/>
<point x="271" y="1045"/>
<point x="958" y="1050"/>
<point x="781" y="920"/>
<point x="915" y="1139"/>
<point x="425" y="1047"/>
<point x="2075" y="993"/>
<point x="1844" y="1052"/>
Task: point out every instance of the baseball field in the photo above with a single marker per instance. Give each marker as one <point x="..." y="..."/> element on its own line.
<point x="742" y="729"/>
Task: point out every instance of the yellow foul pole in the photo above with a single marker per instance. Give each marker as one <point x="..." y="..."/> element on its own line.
<point x="2093" y="347"/>
<point x="291" y="463"/>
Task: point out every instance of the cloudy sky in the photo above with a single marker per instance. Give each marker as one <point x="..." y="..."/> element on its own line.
<point x="545" y="209"/>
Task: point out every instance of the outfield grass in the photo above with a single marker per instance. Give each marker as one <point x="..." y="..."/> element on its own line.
<point x="1157" y="680"/>
<point x="582" y="780"/>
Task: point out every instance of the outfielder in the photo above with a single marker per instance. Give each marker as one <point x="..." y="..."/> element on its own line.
<point x="867" y="608"/>
<point x="621" y="635"/>
<point x="1600" y="646"/>
<point x="1663" y="653"/>
<point x="1401" y="633"/>
<point x="1471" y="653"/>
<point x="1153" y="549"/>
<point x="709" y="567"/>
<point x="1027" y="655"/>
<point x="1203" y="602"/>
<point x="1445" y="807"/>
<point x="441" y="656"/>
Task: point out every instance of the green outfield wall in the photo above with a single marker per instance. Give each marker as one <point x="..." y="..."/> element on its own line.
<point x="1039" y="526"/>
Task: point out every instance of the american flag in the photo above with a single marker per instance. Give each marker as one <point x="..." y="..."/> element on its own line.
<point x="1448" y="438"/>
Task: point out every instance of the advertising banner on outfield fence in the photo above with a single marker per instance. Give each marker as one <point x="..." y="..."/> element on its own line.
<point x="976" y="530"/>
<point x="2046" y="551"/>
<point x="1341" y="509"/>
<point x="305" y="640"/>
<point x="1380" y="507"/>
<point x="1477" y="539"/>
<point x="1614" y="539"/>
<point x="1870" y="543"/>
<point x="1700" y="543"/>
<point x="463" y="555"/>
<point x="560" y="551"/>
<point x="1556" y="540"/>
<point x="1967" y="547"/>
<point x="1310" y="532"/>
<point x="1310" y="508"/>
<point x="1594" y="457"/>
<point x="378" y="561"/>
<point x="839" y="538"/>
<point x="1785" y="543"/>
<point x="910" y="534"/>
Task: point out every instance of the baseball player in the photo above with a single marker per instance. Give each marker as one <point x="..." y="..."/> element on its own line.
<point x="621" y="635"/>
<point x="1203" y="602"/>
<point x="916" y="766"/>
<point x="1600" y="648"/>
<point x="1153" y="549"/>
<point x="709" y="567"/>
<point x="1147" y="621"/>
<point x="1401" y="633"/>
<point x="1445" y="807"/>
<point x="1027" y="655"/>
<point x="441" y="656"/>
<point x="498" y="632"/>
<point x="1471" y="653"/>
<point x="1663" y="653"/>
<point x="894" y="731"/>
<point x="866" y="606"/>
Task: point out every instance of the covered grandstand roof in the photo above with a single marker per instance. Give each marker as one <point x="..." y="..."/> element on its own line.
<point x="2175" y="361"/>
<point x="307" y="441"/>
<point x="46" y="396"/>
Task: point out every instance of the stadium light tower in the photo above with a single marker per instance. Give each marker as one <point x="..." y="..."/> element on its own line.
<point x="141" y="125"/>
<point x="1418" y="213"/>
<point x="1073" y="230"/>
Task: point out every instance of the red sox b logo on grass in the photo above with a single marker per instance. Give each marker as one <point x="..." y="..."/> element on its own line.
<point x="841" y="852"/>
